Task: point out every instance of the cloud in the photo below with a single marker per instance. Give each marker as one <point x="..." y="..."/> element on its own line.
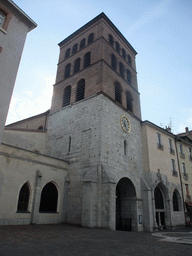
<point x="157" y="11"/>
<point x="30" y="105"/>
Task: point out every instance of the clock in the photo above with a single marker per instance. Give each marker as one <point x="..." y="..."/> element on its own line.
<point x="125" y="124"/>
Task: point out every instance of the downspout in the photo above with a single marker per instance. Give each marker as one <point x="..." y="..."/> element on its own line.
<point x="180" y="177"/>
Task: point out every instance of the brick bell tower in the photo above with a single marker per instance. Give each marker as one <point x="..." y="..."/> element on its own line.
<point x="94" y="123"/>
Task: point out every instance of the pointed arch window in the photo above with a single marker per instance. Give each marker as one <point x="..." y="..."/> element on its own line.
<point x="113" y="62"/>
<point x="90" y="38"/>
<point x="111" y="40"/>
<point x="118" y="92"/>
<point x="129" y="101"/>
<point x="74" y="49"/>
<point x="67" y="70"/>
<point x="23" y="198"/>
<point x="121" y="69"/>
<point x="80" y="90"/>
<point x="159" y="202"/>
<point x="67" y="53"/>
<point x="129" y="60"/>
<point x="87" y="59"/>
<point x="67" y="96"/>
<point x="77" y="65"/>
<point x="175" y="201"/>
<point x="117" y="46"/>
<point x="128" y="76"/>
<point x="82" y="43"/>
<point x="49" y="198"/>
<point x="2" y="18"/>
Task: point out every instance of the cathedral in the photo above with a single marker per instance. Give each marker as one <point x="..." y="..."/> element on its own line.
<point x="90" y="160"/>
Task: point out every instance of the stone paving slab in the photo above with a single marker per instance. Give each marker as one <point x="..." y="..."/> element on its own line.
<point x="56" y="240"/>
<point x="175" y="237"/>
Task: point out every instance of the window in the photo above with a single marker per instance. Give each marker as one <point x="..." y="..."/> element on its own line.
<point x="121" y="69"/>
<point x="175" y="201"/>
<point x="184" y="169"/>
<point x="74" y="49"/>
<point x="129" y="60"/>
<point x="118" y="92"/>
<point x="49" y="197"/>
<point x="90" y="38"/>
<point x="23" y="198"/>
<point x="123" y="54"/>
<point x="67" y="70"/>
<point x="174" y="172"/>
<point x="128" y="76"/>
<point x="67" y="96"/>
<point x="159" y="142"/>
<point x="77" y="65"/>
<point x="113" y="62"/>
<point x="87" y="59"/>
<point x="5" y="17"/>
<point x="2" y="18"/>
<point x="187" y="190"/>
<point x="125" y="147"/>
<point x="67" y="53"/>
<point x="129" y="100"/>
<point x="111" y="40"/>
<point x="69" y="149"/>
<point x="80" y="90"/>
<point x="171" y="150"/>
<point x="117" y="46"/>
<point x="82" y="43"/>
<point x="190" y="154"/>
<point x="181" y="151"/>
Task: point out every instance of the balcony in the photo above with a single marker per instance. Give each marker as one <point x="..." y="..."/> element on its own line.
<point x="185" y="176"/>
<point x="172" y="151"/>
<point x="174" y="173"/>
<point x="159" y="146"/>
<point x="182" y="155"/>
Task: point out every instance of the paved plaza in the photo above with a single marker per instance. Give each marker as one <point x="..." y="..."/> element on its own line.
<point x="51" y="240"/>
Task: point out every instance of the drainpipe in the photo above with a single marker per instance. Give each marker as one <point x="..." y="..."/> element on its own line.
<point x="180" y="176"/>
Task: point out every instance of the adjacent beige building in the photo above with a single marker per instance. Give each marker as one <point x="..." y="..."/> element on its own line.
<point x="14" y="26"/>
<point x="162" y="175"/>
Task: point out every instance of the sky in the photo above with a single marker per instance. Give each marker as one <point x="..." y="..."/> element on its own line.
<point x="160" y="32"/>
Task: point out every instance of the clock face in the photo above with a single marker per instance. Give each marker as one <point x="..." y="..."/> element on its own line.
<point x="125" y="124"/>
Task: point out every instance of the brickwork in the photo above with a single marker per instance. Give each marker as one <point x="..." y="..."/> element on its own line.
<point x="99" y="75"/>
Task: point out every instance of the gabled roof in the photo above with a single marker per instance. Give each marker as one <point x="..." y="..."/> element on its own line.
<point x="100" y="16"/>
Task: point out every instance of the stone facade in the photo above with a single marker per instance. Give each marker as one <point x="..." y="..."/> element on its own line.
<point x="105" y="167"/>
<point x="13" y="31"/>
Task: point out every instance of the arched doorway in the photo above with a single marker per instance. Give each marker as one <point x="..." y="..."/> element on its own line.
<point x="159" y="207"/>
<point x="125" y="205"/>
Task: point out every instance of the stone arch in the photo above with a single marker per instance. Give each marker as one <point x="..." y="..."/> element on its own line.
<point x="176" y="199"/>
<point x="49" y="198"/>
<point x="126" y="206"/>
<point x="24" y="196"/>
<point x="161" y="206"/>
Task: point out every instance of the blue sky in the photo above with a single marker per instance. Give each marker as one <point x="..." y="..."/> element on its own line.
<point x="160" y="31"/>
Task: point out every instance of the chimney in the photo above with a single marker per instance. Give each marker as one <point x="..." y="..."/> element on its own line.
<point x="186" y="129"/>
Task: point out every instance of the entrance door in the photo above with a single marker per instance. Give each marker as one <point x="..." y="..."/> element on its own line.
<point x="159" y="208"/>
<point x="125" y="205"/>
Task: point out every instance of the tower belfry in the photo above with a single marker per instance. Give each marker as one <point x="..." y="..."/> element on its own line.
<point x="94" y="123"/>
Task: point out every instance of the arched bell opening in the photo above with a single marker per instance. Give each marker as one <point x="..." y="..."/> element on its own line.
<point x="126" y="207"/>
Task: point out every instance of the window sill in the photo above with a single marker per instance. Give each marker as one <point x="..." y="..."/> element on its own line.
<point x="49" y="212"/>
<point x="2" y="30"/>
<point x="22" y="212"/>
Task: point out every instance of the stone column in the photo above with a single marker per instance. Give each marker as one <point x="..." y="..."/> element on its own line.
<point x="36" y="198"/>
